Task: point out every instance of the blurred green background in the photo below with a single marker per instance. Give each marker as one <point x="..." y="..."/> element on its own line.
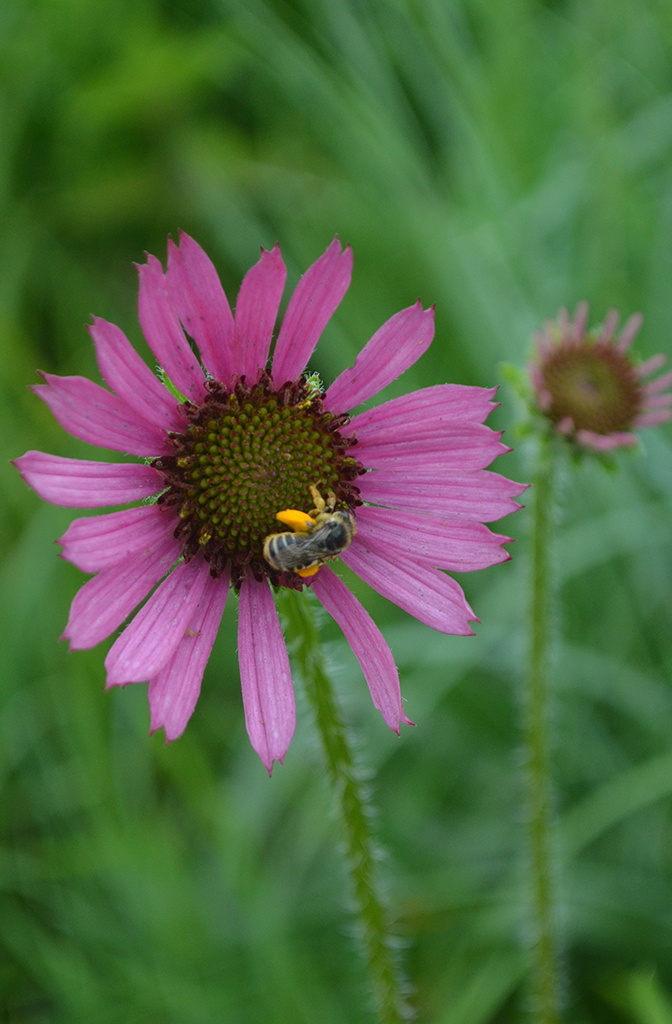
<point x="500" y="158"/>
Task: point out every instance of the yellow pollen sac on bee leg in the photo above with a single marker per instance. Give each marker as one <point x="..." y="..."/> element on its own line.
<point x="300" y="522"/>
<point x="310" y="571"/>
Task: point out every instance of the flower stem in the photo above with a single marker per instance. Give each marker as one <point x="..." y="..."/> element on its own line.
<point x="545" y="967"/>
<point x="355" y="811"/>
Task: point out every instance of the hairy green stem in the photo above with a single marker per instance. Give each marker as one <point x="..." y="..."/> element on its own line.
<point x="545" y="967"/>
<point x="355" y="812"/>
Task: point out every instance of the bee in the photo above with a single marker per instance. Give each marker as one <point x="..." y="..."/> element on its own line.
<point x="316" y="537"/>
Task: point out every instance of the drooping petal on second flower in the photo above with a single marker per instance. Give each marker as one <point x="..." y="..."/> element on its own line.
<point x="429" y="595"/>
<point x="100" y="542"/>
<point x="481" y="495"/>
<point x="266" y="681"/>
<point x="315" y="298"/>
<point x="104" y="602"/>
<point x="652" y="419"/>
<point x="150" y="641"/>
<point x="164" y="335"/>
<point x="657" y="401"/>
<point x="393" y="348"/>
<point x="78" y="483"/>
<point x="367" y="642"/>
<point x="199" y="300"/>
<point x="606" y="442"/>
<point x="127" y="374"/>
<point x="256" y="312"/>
<point x="453" y="544"/>
<point x="173" y="692"/>
<point x="652" y="398"/>
<point x="98" y="417"/>
<point x="650" y="366"/>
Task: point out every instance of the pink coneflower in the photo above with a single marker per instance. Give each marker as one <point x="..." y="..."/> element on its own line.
<point x="243" y="443"/>
<point x="588" y="385"/>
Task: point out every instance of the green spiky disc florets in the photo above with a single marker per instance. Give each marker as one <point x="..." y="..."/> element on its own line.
<point x="247" y="453"/>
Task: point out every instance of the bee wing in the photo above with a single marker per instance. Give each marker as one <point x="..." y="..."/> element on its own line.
<point x="287" y="550"/>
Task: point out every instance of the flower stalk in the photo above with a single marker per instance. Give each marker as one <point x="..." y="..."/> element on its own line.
<point x="354" y="808"/>
<point x="537" y="739"/>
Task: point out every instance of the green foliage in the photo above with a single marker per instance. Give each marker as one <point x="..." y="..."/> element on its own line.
<point x="500" y="159"/>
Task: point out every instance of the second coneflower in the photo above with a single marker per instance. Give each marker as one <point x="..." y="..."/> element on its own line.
<point x="588" y="385"/>
<point x="592" y="392"/>
<point x="240" y="443"/>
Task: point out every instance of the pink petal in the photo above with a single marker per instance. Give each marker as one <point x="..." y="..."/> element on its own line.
<point x="315" y="299"/>
<point x="544" y="341"/>
<point x="104" y="602"/>
<point x="77" y="483"/>
<point x="173" y="692"/>
<point x="629" y="331"/>
<point x="440" y="405"/>
<point x="129" y="377"/>
<point x="609" y="326"/>
<point x="256" y="312"/>
<point x="150" y="641"/>
<point x="453" y="544"/>
<point x="536" y="376"/>
<point x="652" y="419"/>
<point x="565" y="426"/>
<point x="268" y="695"/>
<point x="393" y="348"/>
<point x="545" y="399"/>
<point x="659" y="384"/>
<point x="101" y="542"/>
<point x="93" y="414"/>
<point x="651" y="365"/>
<point x="580" y="320"/>
<point x="197" y="296"/>
<point x="658" y="401"/>
<point x="427" y="594"/>
<point x="440" y="448"/>
<point x="481" y="496"/>
<point x="368" y="645"/>
<point x="605" y="442"/>
<point x="163" y="332"/>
